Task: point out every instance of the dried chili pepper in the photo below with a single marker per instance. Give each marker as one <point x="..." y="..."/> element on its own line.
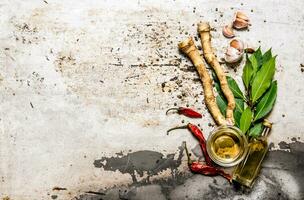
<point x="186" y="112"/>
<point x="199" y="135"/>
<point x="200" y="168"/>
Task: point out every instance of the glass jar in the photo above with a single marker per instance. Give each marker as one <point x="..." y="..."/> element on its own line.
<point x="247" y="171"/>
<point x="227" y="146"/>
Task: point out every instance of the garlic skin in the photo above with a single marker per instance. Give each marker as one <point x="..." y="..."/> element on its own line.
<point x="241" y="15"/>
<point x="249" y="50"/>
<point x="237" y="44"/>
<point x="232" y="55"/>
<point x="240" y="24"/>
<point x="234" y="51"/>
<point x="241" y="21"/>
<point x="228" y="31"/>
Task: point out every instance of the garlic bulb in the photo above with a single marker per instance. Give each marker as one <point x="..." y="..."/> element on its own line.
<point x="228" y="31"/>
<point x="234" y="51"/>
<point x="240" y="21"/>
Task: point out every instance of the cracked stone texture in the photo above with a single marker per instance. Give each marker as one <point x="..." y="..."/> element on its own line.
<point x="83" y="81"/>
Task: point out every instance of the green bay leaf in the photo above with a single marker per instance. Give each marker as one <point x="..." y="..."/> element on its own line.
<point x="262" y="79"/>
<point x="222" y="104"/>
<point x="239" y="104"/>
<point x="267" y="55"/>
<point x="237" y="93"/>
<point x="237" y="113"/>
<point x="247" y="73"/>
<point x="256" y="130"/>
<point x="237" y="117"/>
<point x="214" y="77"/>
<point x="266" y="103"/>
<point x="258" y="55"/>
<point x="218" y="88"/>
<point x="254" y="62"/>
<point x="245" y="120"/>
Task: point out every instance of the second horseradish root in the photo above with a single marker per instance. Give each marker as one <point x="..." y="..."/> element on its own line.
<point x="188" y="47"/>
<point x="204" y="31"/>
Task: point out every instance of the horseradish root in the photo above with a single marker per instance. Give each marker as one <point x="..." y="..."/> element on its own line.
<point x="188" y="47"/>
<point x="204" y="31"/>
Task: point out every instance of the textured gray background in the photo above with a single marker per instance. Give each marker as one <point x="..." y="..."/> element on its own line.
<point x="84" y="86"/>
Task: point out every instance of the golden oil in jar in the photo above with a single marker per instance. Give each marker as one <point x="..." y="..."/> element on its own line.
<point x="227" y="146"/>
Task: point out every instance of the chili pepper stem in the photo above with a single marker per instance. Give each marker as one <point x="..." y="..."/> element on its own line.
<point x="177" y="109"/>
<point x="187" y="152"/>
<point x="179" y="127"/>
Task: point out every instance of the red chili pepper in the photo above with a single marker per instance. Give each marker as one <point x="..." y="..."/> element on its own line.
<point x="199" y="135"/>
<point x="200" y="168"/>
<point x="186" y="111"/>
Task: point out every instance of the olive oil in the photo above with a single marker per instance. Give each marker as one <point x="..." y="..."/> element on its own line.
<point x="247" y="171"/>
<point x="227" y="146"/>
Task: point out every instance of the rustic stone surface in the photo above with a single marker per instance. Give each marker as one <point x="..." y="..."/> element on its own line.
<point x="86" y="82"/>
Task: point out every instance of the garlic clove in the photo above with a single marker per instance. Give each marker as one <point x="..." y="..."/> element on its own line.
<point x="239" y="23"/>
<point x="234" y="51"/>
<point x="237" y="44"/>
<point x="242" y="16"/>
<point x="228" y="31"/>
<point x="232" y="55"/>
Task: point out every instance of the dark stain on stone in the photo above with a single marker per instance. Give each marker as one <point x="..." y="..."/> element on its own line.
<point x="54" y="196"/>
<point x="283" y="145"/>
<point x="197" y="151"/>
<point x="181" y="185"/>
<point x="294" y="139"/>
<point x="271" y="146"/>
<point x="291" y="161"/>
<point x="139" y="162"/>
<point x="119" y="153"/>
<point x="224" y="190"/>
<point x="144" y="187"/>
